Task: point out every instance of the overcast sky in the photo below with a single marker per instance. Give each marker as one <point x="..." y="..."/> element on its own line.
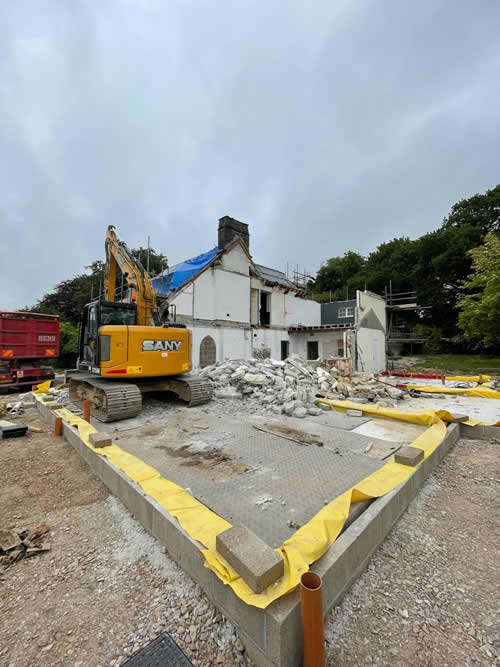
<point x="327" y="126"/>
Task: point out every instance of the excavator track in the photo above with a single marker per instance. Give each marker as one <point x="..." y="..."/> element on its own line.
<point x="191" y="389"/>
<point x="109" y="401"/>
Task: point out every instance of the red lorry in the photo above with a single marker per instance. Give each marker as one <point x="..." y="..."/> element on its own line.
<point x="26" y="340"/>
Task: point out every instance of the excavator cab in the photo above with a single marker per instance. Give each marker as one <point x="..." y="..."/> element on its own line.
<point x="95" y="315"/>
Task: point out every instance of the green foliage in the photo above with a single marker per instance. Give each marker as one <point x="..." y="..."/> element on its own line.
<point x="458" y="364"/>
<point x="481" y="211"/>
<point x="339" y="272"/>
<point x="432" y="335"/>
<point x="68" y="333"/>
<point x="157" y="261"/>
<point x="433" y="265"/>
<point x="480" y="308"/>
<point x="70" y="296"/>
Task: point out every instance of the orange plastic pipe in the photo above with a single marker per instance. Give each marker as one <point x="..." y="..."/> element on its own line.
<point x="86" y="411"/>
<point x="311" y="598"/>
<point x="58" y="426"/>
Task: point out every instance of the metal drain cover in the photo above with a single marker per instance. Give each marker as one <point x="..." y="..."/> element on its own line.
<point x="161" y="652"/>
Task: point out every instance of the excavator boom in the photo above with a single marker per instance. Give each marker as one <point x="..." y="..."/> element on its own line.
<point x="118" y="255"/>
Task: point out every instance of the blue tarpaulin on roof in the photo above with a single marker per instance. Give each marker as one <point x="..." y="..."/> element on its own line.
<point x="181" y="273"/>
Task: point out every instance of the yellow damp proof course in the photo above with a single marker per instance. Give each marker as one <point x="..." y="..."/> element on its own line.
<point x="482" y="391"/>
<point x="303" y="548"/>
<point x="468" y="378"/>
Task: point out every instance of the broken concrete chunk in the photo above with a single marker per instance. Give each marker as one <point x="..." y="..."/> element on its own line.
<point x="100" y="440"/>
<point x="354" y="413"/>
<point x="257" y="378"/>
<point x="228" y="393"/>
<point x="409" y="456"/>
<point x="299" y="412"/>
<point x="9" y="540"/>
<point x="253" y="559"/>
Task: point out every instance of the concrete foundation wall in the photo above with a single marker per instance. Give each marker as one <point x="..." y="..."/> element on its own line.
<point x="272" y="637"/>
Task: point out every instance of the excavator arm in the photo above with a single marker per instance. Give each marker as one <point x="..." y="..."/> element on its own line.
<point x="137" y="279"/>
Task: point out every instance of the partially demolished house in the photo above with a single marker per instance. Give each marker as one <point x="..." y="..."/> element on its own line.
<point x="238" y="309"/>
<point x="353" y="330"/>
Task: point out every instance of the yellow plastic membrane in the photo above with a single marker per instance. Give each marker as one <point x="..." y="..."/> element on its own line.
<point x="311" y="541"/>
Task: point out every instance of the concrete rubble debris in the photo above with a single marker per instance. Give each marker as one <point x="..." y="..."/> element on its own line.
<point x="293" y="386"/>
<point x="255" y="561"/>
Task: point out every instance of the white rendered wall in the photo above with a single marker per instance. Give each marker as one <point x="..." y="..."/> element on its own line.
<point x="367" y="300"/>
<point x="327" y="342"/>
<point x="370" y="350"/>
<point x="236" y="260"/>
<point x="184" y="301"/>
<point x="230" y="343"/>
<point x="268" y="339"/>
<point x="222" y="295"/>
<point x="301" y="311"/>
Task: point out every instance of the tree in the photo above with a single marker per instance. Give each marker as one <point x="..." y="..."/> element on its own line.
<point x="157" y="261"/>
<point x="338" y="273"/>
<point x="479" y="316"/>
<point x="481" y="211"/>
<point x="70" y="296"/>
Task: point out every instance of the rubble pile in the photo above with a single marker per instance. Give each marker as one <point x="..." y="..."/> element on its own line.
<point x="292" y="387"/>
<point x="27" y="400"/>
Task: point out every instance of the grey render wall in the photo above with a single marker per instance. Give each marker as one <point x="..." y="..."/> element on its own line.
<point x="329" y="312"/>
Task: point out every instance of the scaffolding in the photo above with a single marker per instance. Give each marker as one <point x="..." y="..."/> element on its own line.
<point x="398" y="331"/>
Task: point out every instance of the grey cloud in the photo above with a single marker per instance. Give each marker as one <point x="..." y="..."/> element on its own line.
<point x="326" y="126"/>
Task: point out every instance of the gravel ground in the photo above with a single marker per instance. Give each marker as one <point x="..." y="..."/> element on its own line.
<point x="429" y="596"/>
<point x="106" y="588"/>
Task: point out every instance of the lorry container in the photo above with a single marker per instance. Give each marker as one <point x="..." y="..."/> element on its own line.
<point x="26" y="341"/>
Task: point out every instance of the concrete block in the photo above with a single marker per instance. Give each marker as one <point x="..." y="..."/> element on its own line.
<point x="354" y="413"/>
<point x="458" y="419"/>
<point x="100" y="440"/>
<point x="253" y="559"/>
<point x="409" y="456"/>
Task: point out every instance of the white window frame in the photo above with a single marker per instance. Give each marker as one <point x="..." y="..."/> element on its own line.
<point x="346" y="311"/>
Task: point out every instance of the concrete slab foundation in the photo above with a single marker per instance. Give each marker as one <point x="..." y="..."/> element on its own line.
<point x="272" y="636"/>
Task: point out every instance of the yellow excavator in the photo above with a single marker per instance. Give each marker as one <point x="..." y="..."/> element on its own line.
<point x="128" y="347"/>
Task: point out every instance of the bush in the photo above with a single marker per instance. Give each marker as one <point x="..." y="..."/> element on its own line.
<point x="432" y="335"/>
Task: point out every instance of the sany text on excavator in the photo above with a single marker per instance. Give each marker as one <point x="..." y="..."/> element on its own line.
<point x="126" y="348"/>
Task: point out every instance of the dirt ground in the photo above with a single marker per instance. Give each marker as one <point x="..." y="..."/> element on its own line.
<point x="429" y="596"/>
<point x="106" y="588"/>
